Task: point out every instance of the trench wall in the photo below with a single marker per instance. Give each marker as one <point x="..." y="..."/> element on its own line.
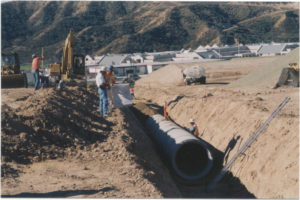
<point x="270" y="167"/>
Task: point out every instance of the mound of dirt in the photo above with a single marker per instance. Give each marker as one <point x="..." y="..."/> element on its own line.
<point x="159" y="77"/>
<point x="268" y="75"/>
<point x="47" y="123"/>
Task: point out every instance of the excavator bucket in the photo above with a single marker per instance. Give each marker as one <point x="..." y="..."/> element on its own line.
<point x="14" y="81"/>
<point x="289" y="76"/>
<point x="11" y="76"/>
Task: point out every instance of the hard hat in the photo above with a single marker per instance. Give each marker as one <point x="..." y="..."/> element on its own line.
<point x="33" y="55"/>
<point x="110" y="67"/>
<point x="192" y="120"/>
<point x="102" y="69"/>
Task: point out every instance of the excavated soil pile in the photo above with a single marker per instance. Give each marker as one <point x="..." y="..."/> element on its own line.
<point x="47" y="123"/>
<point x="158" y="77"/>
<point x="54" y="144"/>
<point x="268" y="75"/>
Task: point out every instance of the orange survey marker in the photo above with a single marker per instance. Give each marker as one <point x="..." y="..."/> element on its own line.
<point x="165" y="111"/>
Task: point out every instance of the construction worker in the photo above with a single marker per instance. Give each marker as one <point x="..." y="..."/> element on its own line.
<point x="194" y="128"/>
<point x="110" y="81"/>
<point x="35" y="70"/>
<point x="131" y="92"/>
<point x="102" y="90"/>
<point x="46" y="74"/>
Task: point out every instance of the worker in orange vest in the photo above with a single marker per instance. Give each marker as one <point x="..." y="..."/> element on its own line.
<point x="131" y="92"/>
<point x="110" y="81"/>
<point x="194" y="128"/>
<point x="35" y="70"/>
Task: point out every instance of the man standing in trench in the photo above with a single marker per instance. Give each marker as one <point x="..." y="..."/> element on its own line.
<point x="101" y="84"/>
<point x="35" y="70"/>
<point x="194" y="128"/>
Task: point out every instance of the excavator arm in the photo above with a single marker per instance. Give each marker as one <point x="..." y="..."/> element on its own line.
<point x="72" y="66"/>
<point x="67" y="58"/>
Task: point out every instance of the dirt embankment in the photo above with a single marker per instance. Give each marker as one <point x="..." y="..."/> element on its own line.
<point x="268" y="75"/>
<point x="270" y="167"/>
<point x="54" y="144"/>
<point x="217" y="72"/>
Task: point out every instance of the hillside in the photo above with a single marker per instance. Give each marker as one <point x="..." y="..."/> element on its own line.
<point x="125" y="27"/>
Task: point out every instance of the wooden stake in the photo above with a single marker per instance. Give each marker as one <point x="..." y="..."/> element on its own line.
<point x="43" y="57"/>
<point x="165" y="110"/>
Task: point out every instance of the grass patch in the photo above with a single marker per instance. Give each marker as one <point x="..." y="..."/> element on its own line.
<point x="25" y="67"/>
<point x="28" y="66"/>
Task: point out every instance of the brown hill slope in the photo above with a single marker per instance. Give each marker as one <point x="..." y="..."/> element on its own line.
<point x="101" y="27"/>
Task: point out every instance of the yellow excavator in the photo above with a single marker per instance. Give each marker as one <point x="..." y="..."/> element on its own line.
<point x="11" y="75"/>
<point x="72" y="66"/>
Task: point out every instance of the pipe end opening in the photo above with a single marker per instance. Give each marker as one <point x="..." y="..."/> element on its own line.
<point x="192" y="159"/>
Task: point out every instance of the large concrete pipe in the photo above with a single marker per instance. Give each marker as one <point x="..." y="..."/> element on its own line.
<point x="189" y="156"/>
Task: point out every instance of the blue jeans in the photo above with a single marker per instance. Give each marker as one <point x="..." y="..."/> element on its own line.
<point x="103" y="101"/>
<point x="36" y="79"/>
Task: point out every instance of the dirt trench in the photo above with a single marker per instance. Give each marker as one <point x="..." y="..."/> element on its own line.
<point x="226" y="115"/>
<point x="54" y="144"/>
<point x="236" y="100"/>
<point x="229" y="187"/>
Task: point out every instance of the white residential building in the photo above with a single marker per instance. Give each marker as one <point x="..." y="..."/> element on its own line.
<point x="92" y="60"/>
<point x="159" y="56"/>
<point x="187" y="56"/>
<point x="271" y="49"/>
<point x="254" y="48"/>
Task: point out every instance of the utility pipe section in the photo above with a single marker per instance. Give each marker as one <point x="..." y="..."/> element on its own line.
<point x="189" y="156"/>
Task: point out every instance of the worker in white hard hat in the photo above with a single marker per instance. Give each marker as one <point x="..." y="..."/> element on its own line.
<point x="194" y="128"/>
<point x="102" y="90"/>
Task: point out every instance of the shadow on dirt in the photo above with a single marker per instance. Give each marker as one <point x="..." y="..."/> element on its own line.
<point x="59" y="194"/>
<point x="8" y="170"/>
<point x="148" y="158"/>
<point x="217" y="83"/>
<point x="228" y="187"/>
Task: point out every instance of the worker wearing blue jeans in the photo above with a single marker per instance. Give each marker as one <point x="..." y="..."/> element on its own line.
<point x="36" y="77"/>
<point x="103" y="101"/>
<point x="35" y="70"/>
<point x="102" y="90"/>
